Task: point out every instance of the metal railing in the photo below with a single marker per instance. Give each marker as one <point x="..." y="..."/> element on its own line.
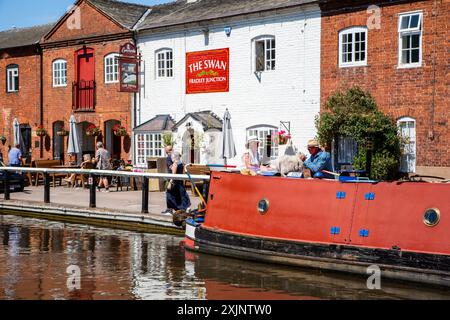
<point x="93" y="173"/>
<point x="84" y="95"/>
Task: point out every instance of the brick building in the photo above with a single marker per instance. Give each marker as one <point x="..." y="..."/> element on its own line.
<point x="398" y="51"/>
<point x="81" y="76"/>
<point x="20" y="89"/>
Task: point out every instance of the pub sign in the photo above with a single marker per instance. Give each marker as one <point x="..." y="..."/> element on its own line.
<point x="129" y="68"/>
<point x="207" y="71"/>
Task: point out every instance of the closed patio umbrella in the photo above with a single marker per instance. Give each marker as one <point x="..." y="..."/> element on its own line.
<point x="16" y="127"/>
<point x="228" y="146"/>
<point x="74" y="144"/>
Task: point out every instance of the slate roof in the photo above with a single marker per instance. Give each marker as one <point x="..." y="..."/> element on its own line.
<point x="208" y="119"/>
<point x="23" y="37"/>
<point x="127" y="14"/>
<point x="181" y="11"/>
<point x="162" y="122"/>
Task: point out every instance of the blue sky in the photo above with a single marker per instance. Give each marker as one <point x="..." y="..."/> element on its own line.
<point x="27" y="13"/>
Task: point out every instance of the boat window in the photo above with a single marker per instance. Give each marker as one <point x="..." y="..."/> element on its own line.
<point x="431" y="217"/>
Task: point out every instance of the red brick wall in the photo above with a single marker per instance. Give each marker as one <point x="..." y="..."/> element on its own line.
<point x="92" y="23"/>
<point x="398" y="92"/>
<point x="24" y="104"/>
<point x="111" y="104"/>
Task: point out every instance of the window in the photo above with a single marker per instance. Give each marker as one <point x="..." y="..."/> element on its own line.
<point x="164" y="59"/>
<point x="148" y="145"/>
<point x="353" y="47"/>
<point x="12" y="78"/>
<point x="407" y="129"/>
<point x="410" y="39"/>
<point x="59" y="73"/>
<point x="347" y="148"/>
<point x="265" y="54"/>
<point x="112" y="68"/>
<point x="268" y="148"/>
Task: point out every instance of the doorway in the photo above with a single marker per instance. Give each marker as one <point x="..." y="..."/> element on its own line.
<point x="112" y="142"/>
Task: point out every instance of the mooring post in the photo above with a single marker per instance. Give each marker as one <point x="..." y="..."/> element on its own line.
<point x="92" y="195"/>
<point x="46" y="188"/>
<point x="144" y="195"/>
<point x="6" y="185"/>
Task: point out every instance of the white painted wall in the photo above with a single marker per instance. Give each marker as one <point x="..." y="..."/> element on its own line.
<point x="289" y="93"/>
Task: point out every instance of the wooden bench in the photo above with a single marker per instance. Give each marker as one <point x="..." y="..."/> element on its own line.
<point x="49" y="164"/>
<point x="197" y="169"/>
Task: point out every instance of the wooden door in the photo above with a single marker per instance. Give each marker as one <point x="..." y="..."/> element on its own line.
<point x="85" y="95"/>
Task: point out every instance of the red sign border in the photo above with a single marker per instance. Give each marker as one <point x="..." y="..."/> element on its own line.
<point x="128" y="60"/>
<point x="227" y="50"/>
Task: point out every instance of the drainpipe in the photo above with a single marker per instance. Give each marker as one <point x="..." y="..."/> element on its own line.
<point x="41" y="98"/>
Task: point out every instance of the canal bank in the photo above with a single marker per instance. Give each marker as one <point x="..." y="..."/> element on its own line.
<point x="116" y="209"/>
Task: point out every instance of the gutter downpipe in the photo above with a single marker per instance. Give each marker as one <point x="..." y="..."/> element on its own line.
<point x="41" y="98"/>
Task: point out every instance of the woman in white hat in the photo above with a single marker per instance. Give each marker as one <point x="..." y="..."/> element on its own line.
<point x="251" y="157"/>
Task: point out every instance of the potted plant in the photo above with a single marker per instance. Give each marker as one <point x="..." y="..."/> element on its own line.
<point x="93" y="130"/>
<point x="62" y="132"/>
<point x="283" y="137"/>
<point x="119" y="130"/>
<point x="40" y="131"/>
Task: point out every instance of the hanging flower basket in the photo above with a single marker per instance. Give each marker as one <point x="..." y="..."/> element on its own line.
<point x="283" y="137"/>
<point x="92" y="130"/>
<point x="40" y="131"/>
<point x="62" y="133"/>
<point x="119" y="130"/>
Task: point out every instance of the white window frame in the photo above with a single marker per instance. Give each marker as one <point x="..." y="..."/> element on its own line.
<point x="261" y="131"/>
<point x="353" y="31"/>
<point x="269" y="63"/>
<point x="12" y="72"/>
<point x="409" y="156"/>
<point x="59" y="69"/>
<point x="111" y="62"/>
<point x="148" y="145"/>
<point x="409" y="32"/>
<point x="164" y="63"/>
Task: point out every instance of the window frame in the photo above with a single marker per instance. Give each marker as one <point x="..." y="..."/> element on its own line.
<point x="149" y="147"/>
<point x="163" y="65"/>
<point x="115" y="68"/>
<point x="58" y="62"/>
<point x="414" y="142"/>
<point x="9" y="86"/>
<point x="353" y="31"/>
<point x="409" y="32"/>
<point x="265" y="39"/>
<point x="255" y="130"/>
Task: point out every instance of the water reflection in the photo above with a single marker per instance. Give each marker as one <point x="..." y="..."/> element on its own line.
<point x="117" y="264"/>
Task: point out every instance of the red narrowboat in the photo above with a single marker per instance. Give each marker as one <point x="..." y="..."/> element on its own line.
<point x="401" y="227"/>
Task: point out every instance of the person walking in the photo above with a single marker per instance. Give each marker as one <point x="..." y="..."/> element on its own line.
<point x="102" y="159"/>
<point x="177" y="197"/>
<point x="15" y="156"/>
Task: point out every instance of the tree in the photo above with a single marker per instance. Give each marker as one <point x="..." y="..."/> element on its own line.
<point x="354" y="113"/>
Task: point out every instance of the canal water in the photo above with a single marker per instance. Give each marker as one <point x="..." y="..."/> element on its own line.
<point x="42" y="259"/>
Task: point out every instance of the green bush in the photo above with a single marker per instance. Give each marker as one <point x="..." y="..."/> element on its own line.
<point x="354" y="114"/>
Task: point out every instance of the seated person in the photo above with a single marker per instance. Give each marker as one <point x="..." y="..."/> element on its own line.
<point x="251" y="156"/>
<point x="86" y="164"/>
<point x="287" y="163"/>
<point x="318" y="161"/>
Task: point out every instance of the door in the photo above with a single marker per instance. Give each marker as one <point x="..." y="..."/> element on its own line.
<point x="85" y="68"/>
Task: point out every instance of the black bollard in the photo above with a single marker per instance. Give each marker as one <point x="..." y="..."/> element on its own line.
<point x="92" y="199"/>
<point x="144" y="195"/>
<point x="6" y="185"/>
<point x="46" y="188"/>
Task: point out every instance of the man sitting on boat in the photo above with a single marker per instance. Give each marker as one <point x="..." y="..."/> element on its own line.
<point x="318" y="161"/>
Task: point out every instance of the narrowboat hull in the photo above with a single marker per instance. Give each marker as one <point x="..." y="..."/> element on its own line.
<point x="328" y="225"/>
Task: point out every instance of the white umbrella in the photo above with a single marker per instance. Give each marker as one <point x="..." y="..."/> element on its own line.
<point x="228" y="146"/>
<point x="74" y="143"/>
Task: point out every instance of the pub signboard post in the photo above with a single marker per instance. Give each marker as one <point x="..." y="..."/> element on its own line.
<point x="129" y="68"/>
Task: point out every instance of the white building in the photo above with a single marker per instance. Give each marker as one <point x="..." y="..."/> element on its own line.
<point x="273" y="66"/>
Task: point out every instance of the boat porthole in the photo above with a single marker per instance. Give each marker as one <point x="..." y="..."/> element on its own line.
<point x="431" y="217"/>
<point x="263" y="206"/>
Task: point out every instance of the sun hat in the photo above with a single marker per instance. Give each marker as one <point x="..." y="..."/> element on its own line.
<point x="252" y="138"/>
<point x="313" y="143"/>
